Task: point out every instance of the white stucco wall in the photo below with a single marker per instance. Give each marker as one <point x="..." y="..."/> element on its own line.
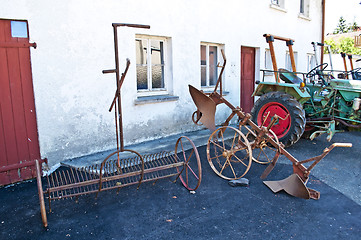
<point x="75" y="43"/>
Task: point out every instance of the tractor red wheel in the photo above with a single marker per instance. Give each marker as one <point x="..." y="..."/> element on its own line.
<point x="291" y="117"/>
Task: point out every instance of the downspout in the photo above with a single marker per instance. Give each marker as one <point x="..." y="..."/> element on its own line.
<point x="323" y="29"/>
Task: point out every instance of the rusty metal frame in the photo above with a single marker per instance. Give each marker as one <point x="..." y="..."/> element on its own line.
<point x="123" y="167"/>
<point x="260" y="133"/>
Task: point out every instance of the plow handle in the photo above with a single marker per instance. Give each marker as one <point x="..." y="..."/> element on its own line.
<point x="339" y="145"/>
<point x="342" y="144"/>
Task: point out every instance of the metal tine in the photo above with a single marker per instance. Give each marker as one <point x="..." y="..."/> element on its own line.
<point x="61" y="183"/>
<point x="156" y="164"/>
<point x="63" y="192"/>
<point x="139" y="167"/>
<point x="82" y="172"/>
<point x="161" y="159"/>
<point x="50" y="195"/>
<point x="169" y="158"/>
<point x="58" y="193"/>
<point x="70" y="182"/>
<point x="150" y="161"/>
<point x="93" y="175"/>
<point x="147" y="164"/>
<point x="114" y="169"/>
<point x="133" y="164"/>
<point x="68" y="191"/>
<point x="90" y="176"/>
<point x="86" y="178"/>
<point x="126" y="169"/>
<point x="132" y="167"/>
<point x="108" y="173"/>
<point x="127" y="164"/>
<point x="80" y="189"/>
<point x="50" y="186"/>
<point x="117" y="170"/>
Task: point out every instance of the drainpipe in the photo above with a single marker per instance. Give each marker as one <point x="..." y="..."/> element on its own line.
<point x="323" y="29"/>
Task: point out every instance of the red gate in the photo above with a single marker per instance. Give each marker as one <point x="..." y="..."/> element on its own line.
<point x="19" y="144"/>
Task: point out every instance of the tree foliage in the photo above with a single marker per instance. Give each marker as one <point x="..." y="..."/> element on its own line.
<point x="341" y="26"/>
<point x="345" y="44"/>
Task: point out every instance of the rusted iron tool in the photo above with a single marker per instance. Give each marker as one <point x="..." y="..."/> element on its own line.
<point x="230" y="151"/>
<point x="123" y="167"/>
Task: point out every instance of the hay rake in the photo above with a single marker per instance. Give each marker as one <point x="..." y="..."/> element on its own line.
<point x="123" y="167"/>
<point x="231" y="151"/>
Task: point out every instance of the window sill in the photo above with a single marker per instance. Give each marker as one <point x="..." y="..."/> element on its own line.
<point x="224" y="93"/>
<point x="302" y="16"/>
<point x="276" y="7"/>
<point x="155" y="99"/>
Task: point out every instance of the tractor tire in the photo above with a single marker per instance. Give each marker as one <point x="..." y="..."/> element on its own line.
<point x="291" y="123"/>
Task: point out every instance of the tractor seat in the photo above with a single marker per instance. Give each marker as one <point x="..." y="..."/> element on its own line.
<point x="289" y="77"/>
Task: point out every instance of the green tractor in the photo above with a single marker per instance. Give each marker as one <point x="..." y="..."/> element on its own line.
<point x="309" y="106"/>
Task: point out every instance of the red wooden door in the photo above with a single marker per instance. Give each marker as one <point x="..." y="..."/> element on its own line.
<point x="247" y="78"/>
<point x="19" y="144"/>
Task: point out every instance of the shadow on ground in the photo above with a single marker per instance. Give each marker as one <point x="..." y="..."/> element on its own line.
<point x="167" y="210"/>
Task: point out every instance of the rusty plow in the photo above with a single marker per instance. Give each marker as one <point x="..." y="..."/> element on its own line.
<point x="295" y="184"/>
<point x="231" y="151"/>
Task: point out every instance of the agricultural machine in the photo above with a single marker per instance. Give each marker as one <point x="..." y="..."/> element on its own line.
<point x="231" y="150"/>
<point x="354" y="72"/>
<point x="309" y="106"/>
<point x="123" y="167"/>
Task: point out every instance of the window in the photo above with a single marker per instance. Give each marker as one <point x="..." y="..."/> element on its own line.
<point x="210" y="56"/>
<point x="288" y="64"/>
<point x="304" y="8"/>
<point x="311" y="61"/>
<point x="278" y="3"/>
<point x="268" y="60"/>
<point x="19" y="29"/>
<point x="268" y="63"/>
<point x="151" y="64"/>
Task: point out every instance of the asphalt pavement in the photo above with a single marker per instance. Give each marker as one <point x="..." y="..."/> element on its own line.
<point x="166" y="210"/>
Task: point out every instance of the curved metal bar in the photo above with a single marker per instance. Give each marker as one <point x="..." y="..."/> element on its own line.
<point x="116" y="152"/>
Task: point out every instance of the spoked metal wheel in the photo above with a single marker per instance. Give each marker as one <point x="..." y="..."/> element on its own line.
<point x="262" y="151"/>
<point x="229" y="153"/>
<point x="191" y="172"/>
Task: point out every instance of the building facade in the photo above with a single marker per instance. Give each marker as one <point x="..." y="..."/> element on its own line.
<point x="75" y="43"/>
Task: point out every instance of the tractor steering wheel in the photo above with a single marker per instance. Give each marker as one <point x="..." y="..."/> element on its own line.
<point x="356" y="73"/>
<point x="315" y="71"/>
<point x="356" y="70"/>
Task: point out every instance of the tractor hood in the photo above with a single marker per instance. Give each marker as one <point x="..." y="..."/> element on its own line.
<point x="349" y="89"/>
<point x="292" y="89"/>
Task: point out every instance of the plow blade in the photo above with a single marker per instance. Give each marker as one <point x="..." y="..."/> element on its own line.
<point x="292" y="185"/>
<point x="206" y="106"/>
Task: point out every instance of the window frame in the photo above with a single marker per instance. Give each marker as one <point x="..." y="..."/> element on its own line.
<point x="288" y="64"/>
<point x="278" y="4"/>
<point x="219" y="59"/>
<point x="268" y="65"/>
<point x="311" y="61"/>
<point x="150" y="91"/>
<point x="304" y="10"/>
